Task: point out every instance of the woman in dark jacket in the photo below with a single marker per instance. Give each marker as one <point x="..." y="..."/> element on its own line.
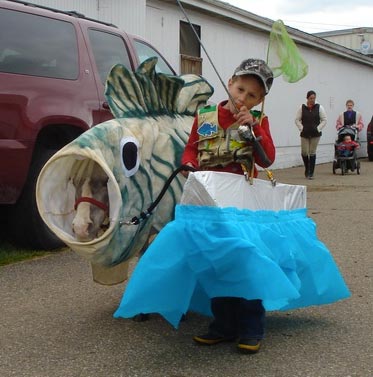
<point x="310" y="120"/>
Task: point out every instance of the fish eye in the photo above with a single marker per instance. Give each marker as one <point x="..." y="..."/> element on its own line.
<point x="130" y="159"/>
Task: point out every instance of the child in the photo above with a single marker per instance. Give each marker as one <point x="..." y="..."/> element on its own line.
<point x="347" y="146"/>
<point x="230" y="263"/>
<point x="214" y="128"/>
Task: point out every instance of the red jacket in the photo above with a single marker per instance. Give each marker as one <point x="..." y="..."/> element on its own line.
<point x="226" y="119"/>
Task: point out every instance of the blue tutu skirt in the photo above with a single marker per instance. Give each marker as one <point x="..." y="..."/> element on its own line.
<point x="210" y="252"/>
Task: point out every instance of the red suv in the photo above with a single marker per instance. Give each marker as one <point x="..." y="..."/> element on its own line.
<point x="370" y="140"/>
<point x="53" y="67"/>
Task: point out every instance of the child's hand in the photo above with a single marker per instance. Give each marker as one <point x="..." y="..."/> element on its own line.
<point x="185" y="173"/>
<point x="244" y="117"/>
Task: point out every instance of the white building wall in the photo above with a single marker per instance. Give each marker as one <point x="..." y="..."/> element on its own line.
<point x="358" y="39"/>
<point x="88" y="7"/>
<point x="162" y="31"/>
<point x="128" y="15"/>
<point x="335" y="79"/>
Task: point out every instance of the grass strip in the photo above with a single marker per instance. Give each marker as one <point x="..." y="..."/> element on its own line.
<point x="11" y="254"/>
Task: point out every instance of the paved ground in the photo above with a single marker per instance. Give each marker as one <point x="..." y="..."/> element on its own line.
<point x="55" y="322"/>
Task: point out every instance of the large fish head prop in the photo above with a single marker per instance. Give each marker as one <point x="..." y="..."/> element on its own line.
<point x="132" y="156"/>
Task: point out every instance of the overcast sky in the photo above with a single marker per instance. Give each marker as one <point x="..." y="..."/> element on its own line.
<point x="313" y="16"/>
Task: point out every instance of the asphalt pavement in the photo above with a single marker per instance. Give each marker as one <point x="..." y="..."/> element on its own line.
<point x="56" y="322"/>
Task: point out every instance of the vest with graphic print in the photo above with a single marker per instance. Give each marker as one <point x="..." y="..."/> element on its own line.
<point x="218" y="147"/>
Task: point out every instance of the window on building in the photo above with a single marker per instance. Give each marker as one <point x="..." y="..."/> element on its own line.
<point x="190" y="49"/>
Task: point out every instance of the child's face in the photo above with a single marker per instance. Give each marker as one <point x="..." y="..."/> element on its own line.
<point x="245" y="91"/>
<point x="347" y="139"/>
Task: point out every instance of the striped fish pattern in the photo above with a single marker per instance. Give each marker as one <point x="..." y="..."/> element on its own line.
<point x="138" y="151"/>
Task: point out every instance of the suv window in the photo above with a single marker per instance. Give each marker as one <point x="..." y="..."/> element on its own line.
<point x="108" y="50"/>
<point x="26" y="48"/>
<point x="144" y="51"/>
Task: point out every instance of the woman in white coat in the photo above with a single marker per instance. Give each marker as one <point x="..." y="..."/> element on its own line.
<point x="350" y="117"/>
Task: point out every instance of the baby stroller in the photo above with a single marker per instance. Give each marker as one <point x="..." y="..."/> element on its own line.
<point x="346" y="159"/>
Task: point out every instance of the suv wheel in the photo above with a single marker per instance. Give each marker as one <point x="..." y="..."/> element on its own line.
<point x="370" y="153"/>
<point x="26" y="227"/>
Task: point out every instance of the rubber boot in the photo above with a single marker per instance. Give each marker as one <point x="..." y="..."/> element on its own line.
<point x="312" y="166"/>
<point x="306" y="163"/>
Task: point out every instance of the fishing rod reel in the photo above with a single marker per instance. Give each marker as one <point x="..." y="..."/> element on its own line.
<point x="246" y="134"/>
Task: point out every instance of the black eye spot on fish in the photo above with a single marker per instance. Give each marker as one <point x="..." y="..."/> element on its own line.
<point x="130" y="155"/>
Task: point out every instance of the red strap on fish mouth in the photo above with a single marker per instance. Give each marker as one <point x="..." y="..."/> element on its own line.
<point x="87" y="199"/>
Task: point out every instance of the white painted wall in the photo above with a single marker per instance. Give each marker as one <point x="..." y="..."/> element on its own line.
<point x="352" y="38"/>
<point x="335" y="79"/>
<point x="128" y="15"/>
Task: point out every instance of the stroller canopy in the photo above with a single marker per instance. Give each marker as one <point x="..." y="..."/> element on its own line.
<point x="347" y="130"/>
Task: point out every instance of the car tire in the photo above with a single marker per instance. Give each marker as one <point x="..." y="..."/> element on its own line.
<point x="26" y="227"/>
<point x="370" y="154"/>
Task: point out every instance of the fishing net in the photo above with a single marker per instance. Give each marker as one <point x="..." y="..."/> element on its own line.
<point x="283" y="55"/>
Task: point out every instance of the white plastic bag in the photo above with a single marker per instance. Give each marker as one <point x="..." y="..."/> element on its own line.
<point x="220" y="189"/>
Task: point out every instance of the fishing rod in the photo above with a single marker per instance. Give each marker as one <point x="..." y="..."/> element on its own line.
<point x="208" y="56"/>
<point x="249" y="134"/>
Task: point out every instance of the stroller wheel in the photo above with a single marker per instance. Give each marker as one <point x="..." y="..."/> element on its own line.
<point x="334" y="166"/>
<point x="343" y="167"/>
<point x="358" y="167"/>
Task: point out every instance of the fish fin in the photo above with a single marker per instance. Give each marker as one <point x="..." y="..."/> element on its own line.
<point x="194" y="94"/>
<point x="148" y="93"/>
<point x="124" y="94"/>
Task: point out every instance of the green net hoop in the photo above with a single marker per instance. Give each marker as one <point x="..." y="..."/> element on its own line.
<point x="283" y="55"/>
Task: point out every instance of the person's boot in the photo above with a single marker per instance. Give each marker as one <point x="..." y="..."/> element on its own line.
<point x="312" y="166"/>
<point x="306" y="163"/>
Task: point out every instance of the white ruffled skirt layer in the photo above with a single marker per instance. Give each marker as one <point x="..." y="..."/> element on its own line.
<point x="210" y="252"/>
